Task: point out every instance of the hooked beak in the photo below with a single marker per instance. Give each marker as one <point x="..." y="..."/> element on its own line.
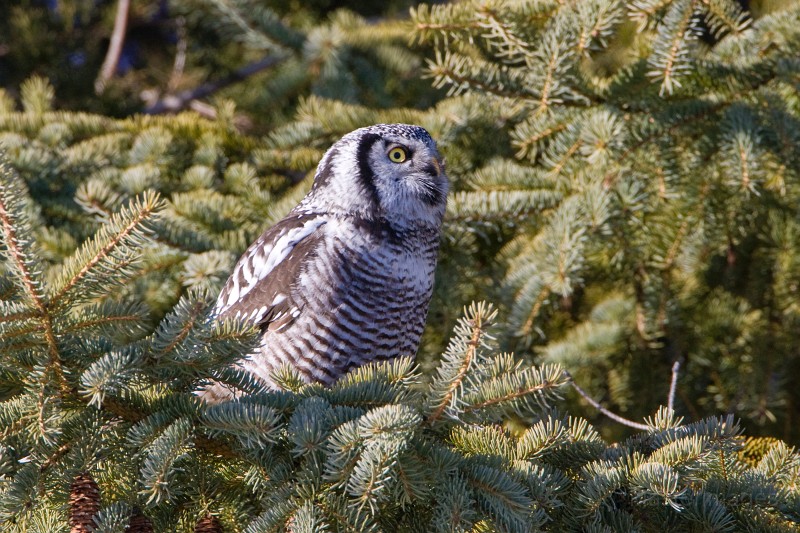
<point x="435" y="167"/>
<point x="439" y="165"/>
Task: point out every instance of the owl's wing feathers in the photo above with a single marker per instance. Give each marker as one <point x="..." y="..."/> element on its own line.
<point x="259" y="289"/>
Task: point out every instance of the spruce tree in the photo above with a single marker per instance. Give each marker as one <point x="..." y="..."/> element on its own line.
<point x="624" y="180"/>
<point x="642" y="189"/>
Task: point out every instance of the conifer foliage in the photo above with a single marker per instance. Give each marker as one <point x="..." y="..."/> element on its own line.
<point x="382" y="450"/>
<point x="652" y="149"/>
<point x="624" y="184"/>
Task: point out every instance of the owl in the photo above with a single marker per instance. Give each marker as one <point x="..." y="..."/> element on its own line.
<point x="346" y="277"/>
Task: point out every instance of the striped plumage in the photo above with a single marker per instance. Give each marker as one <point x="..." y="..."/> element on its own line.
<point x="346" y="277"/>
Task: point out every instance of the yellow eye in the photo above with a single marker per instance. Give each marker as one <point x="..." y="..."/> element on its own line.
<point x="397" y="155"/>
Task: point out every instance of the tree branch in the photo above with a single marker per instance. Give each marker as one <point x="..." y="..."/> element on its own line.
<point x="596" y="405"/>
<point x="472" y="347"/>
<point x="182" y="100"/>
<point x="145" y="212"/>
<point x="676" y="366"/>
<point x="114" y="47"/>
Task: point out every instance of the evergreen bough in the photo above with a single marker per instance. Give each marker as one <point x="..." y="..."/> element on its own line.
<point x="92" y="397"/>
<point x="638" y="200"/>
<point x="639" y="190"/>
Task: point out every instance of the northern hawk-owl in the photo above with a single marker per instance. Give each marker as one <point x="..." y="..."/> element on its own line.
<point x="346" y="277"/>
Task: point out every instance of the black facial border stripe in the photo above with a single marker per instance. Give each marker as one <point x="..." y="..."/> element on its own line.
<point x="365" y="173"/>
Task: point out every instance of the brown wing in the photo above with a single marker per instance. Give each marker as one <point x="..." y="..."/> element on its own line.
<point x="259" y="289"/>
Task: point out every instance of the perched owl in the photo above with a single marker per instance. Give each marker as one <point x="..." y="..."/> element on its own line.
<point x="346" y="277"/>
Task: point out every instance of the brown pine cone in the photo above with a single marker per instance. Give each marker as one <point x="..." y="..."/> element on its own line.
<point x="84" y="503"/>
<point x="209" y="524"/>
<point x="139" y="523"/>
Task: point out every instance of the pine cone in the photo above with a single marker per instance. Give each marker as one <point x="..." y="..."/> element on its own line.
<point x="84" y="503"/>
<point x="139" y="523"/>
<point x="209" y="524"/>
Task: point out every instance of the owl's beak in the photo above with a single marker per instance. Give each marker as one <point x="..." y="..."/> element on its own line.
<point x="438" y="166"/>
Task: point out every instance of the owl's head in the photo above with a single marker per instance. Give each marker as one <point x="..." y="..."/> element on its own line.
<point x="391" y="171"/>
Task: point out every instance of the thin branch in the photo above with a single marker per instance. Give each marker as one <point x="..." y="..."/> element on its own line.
<point x="101" y="254"/>
<point x="524" y="146"/>
<point x="672" y="57"/>
<point x="511" y="396"/>
<point x="596" y="405"/>
<point x="111" y="61"/>
<point x="182" y="100"/>
<point x="544" y="101"/>
<point x="18" y="256"/>
<point x="22" y="315"/>
<point x="676" y="366"/>
<point x="537" y="305"/>
<point x="100" y="321"/>
<point x="180" y="55"/>
<point x="472" y="347"/>
<point x="58" y="454"/>
<point x="196" y="312"/>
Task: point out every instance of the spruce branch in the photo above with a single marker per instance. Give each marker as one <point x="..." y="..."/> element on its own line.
<point x="668" y="59"/>
<point x="724" y="15"/>
<point x="125" y="229"/>
<point x="598" y="21"/>
<point x="644" y="11"/>
<point x="529" y="134"/>
<point x="159" y="467"/>
<point x="460" y="356"/>
<point x="501" y="37"/>
<point x="23" y="258"/>
<point x="196" y="310"/>
<point x="19" y="251"/>
<point x="531" y="390"/>
<point x="542" y="296"/>
<point x="123" y="319"/>
<point x="462" y="73"/>
<point x="55" y="457"/>
<point x="682" y="120"/>
<point x="553" y="62"/>
<point x="443" y="21"/>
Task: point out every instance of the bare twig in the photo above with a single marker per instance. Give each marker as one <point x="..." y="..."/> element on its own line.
<point x="676" y="366"/>
<point x="180" y="55"/>
<point x="596" y="405"/>
<point x="182" y="100"/>
<point x="114" y="47"/>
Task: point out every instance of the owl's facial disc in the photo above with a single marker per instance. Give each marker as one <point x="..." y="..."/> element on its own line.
<point x="390" y="171"/>
<point x="408" y="176"/>
<point x="417" y="169"/>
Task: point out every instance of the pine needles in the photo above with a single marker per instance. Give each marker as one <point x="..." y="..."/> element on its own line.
<point x="624" y="184"/>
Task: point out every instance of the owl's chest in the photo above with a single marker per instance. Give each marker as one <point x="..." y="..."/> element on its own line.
<point x="388" y="266"/>
<point x="375" y="265"/>
<point x="409" y="275"/>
